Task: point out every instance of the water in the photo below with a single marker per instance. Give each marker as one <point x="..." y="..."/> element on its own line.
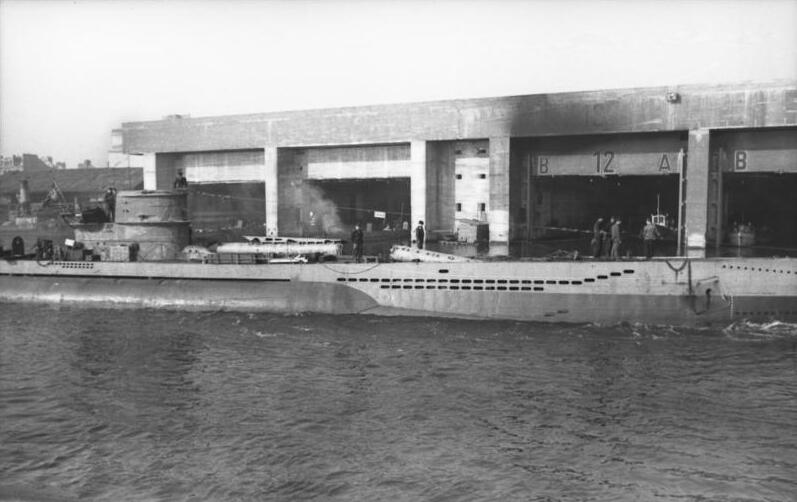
<point x="152" y="405"/>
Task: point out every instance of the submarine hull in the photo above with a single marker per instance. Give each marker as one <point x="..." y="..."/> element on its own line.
<point x="669" y="291"/>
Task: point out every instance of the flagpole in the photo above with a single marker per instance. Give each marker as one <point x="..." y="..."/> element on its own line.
<point x="681" y="168"/>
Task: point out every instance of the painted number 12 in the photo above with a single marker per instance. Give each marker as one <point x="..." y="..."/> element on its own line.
<point x="608" y="157"/>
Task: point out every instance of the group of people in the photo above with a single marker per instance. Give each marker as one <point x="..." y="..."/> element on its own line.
<point x="743" y="228"/>
<point x="357" y="239"/>
<point x="607" y="240"/>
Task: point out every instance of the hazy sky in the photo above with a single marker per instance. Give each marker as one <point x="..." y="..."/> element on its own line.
<point x="70" y="71"/>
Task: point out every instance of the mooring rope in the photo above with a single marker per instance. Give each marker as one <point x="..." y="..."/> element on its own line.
<point x="349" y="273"/>
<point x="679" y="269"/>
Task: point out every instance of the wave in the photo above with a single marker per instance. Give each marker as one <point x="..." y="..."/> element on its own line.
<point x="737" y="330"/>
<point x="749" y="330"/>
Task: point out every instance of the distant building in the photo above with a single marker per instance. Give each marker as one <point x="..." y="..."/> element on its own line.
<point x="28" y="162"/>
<point x="12" y="163"/>
<point x="81" y="185"/>
<point x="119" y="160"/>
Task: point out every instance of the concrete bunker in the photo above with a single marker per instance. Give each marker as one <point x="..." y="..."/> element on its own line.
<point x="566" y="183"/>
<point x="755" y="174"/>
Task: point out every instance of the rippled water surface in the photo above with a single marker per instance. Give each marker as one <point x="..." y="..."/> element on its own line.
<point x="151" y="405"/>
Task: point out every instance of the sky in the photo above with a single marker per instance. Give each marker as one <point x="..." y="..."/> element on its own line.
<point x="70" y="71"/>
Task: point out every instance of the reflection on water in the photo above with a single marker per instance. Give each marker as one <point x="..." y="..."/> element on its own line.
<point x="150" y="405"/>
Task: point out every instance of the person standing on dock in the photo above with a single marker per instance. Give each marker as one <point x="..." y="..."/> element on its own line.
<point x="180" y="181"/>
<point x="649" y="235"/>
<point x="406" y="235"/>
<point x="616" y="239"/>
<point x="312" y="224"/>
<point x="420" y="235"/>
<point x="597" y="238"/>
<point x="606" y="239"/>
<point x="110" y="203"/>
<point x="357" y="243"/>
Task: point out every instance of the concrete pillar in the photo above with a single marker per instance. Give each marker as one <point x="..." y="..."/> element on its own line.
<point x="159" y="171"/>
<point x="418" y="184"/>
<point x="498" y="207"/>
<point x="272" y="190"/>
<point x="697" y="193"/>
<point x="433" y="211"/>
<point x="150" y="172"/>
<point x="440" y="170"/>
<point x="714" y="231"/>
